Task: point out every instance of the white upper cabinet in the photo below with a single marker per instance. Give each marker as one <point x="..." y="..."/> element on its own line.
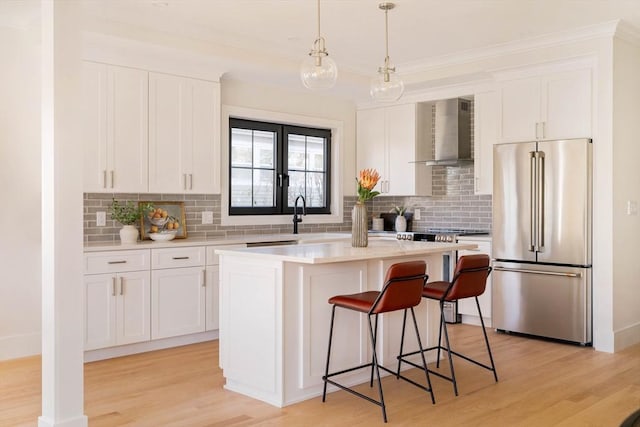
<point x="115" y="128"/>
<point x="487" y="115"/>
<point x="183" y="121"/>
<point x="390" y="139"/>
<point x="550" y="106"/>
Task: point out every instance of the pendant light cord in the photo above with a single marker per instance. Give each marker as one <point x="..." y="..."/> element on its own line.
<point x="318" y="18"/>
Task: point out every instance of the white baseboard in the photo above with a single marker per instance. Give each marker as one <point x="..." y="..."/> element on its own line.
<point x="142" y="347"/>
<point x="17" y="346"/>
<point x="626" y="337"/>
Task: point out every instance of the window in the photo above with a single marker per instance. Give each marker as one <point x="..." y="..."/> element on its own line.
<point x="271" y="164"/>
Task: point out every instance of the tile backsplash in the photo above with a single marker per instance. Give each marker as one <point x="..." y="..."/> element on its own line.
<point x="453" y="205"/>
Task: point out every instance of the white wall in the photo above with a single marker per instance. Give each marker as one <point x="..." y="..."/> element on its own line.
<point x="626" y="187"/>
<point x="20" y="179"/>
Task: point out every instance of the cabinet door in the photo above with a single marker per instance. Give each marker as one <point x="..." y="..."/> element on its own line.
<point x="94" y="126"/>
<point x="486" y="134"/>
<point x="213" y="298"/>
<point x="520" y="101"/>
<point x="467" y="306"/>
<point x="133" y="307"/>
<point x="177" y="302"/>
<point x="567" y="105"/>
<point x="205" y="167"/>
<point x="99" y="311"/>
<point x="169" y="133"/>
<point x="401" y="143"/>
<point x="127" y="127"/>
<point x="371" y="145"/>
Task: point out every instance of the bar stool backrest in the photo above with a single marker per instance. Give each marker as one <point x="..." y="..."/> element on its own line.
<point x="403" y="287"/>
<point x="469" y="277"/>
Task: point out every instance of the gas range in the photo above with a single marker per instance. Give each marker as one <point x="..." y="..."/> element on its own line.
<point x="449" y="235"/>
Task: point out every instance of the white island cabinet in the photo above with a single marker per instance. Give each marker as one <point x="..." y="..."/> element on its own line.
<point x="274" y="320"/>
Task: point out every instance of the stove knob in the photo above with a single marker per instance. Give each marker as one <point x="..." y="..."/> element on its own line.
<point x="398" y="236"/>
<point x="450" y="239"/>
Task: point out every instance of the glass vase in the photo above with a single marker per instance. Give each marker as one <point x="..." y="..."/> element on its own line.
<point x="359" y="226"/>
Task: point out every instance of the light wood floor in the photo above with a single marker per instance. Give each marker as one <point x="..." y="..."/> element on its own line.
<point x="541" y="384"/>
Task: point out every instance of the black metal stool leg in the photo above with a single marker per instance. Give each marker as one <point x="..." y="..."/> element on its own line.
<point x="424" y="361"/>
<point x="326" y="370"/>
<point x="404" y="323"/>
<point x="439" y="336"/>
<point x="375" y="365"/>
<point x="375" y="337"/>
<point x="446" y="338"/>
<point x="486" y="340"/>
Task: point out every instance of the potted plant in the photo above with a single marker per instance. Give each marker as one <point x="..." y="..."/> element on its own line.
<point x="401" y="221"/>
<point x="128" y="214"/>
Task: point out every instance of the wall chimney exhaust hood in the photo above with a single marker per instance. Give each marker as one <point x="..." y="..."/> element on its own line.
<point x="452" y="133"/>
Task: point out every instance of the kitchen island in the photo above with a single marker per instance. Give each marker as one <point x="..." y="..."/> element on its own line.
<point x="274" y="315"/>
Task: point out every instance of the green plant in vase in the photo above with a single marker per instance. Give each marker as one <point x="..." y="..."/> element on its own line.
<point x="128" y="214"/>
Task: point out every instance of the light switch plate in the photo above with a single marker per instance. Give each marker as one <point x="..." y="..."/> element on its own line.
<point x="207" y="217"/>
<point x="416" y="214"/>
<point x="101" y="219"/>
<point x="632" y="207"/>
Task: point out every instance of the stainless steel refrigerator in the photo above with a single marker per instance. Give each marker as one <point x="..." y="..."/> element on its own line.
<point x="542" y="209"/>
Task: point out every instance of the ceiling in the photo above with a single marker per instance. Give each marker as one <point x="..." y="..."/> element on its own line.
<point x="267" y="39"/>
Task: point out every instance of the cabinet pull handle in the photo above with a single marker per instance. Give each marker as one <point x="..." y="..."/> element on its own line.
<point x="112" y="179"/>
<point x="180" y="257"/>
<point x="117" y="262"/>
<point x="121" y="286"/>
<point x="113" y="286"/>
<point x="104" y="178"/>
<point x="190" y="181"/>
<point x="543" y="129"/>
<point x="204" y="279"/>
<point x="184" y="181"/>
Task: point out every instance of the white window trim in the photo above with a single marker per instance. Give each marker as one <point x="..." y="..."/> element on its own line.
<point x="337" y="132"/>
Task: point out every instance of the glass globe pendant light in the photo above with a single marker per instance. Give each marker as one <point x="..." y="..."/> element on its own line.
<point x="318" y="71"/>
<point x="386" y="85"/>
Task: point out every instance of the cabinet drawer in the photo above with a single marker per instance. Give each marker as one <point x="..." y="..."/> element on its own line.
<point x="116" y="261"/>
<point x="178" y="257"/>
<point x="213" y="258"/>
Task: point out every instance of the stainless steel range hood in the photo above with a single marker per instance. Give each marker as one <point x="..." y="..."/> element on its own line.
<point x="452" y="133"/>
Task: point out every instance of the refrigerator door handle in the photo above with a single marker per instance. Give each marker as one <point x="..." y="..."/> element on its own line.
<point x="546" y="273"/>
<point x="540" y="202"/>
<point x="532" y="201"/>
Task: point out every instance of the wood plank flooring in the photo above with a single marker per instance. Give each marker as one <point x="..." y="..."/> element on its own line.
<point x="541" y="383"/>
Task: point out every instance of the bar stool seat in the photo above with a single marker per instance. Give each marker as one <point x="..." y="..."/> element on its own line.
<point x="402" y="291"/>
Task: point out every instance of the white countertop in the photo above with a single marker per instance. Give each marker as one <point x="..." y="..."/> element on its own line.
<point x="232" y="240"/>
<point x="341" y="251"/>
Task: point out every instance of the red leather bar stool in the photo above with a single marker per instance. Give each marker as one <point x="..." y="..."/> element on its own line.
<point x="469" y="281"/>
<point x="402" y="291"/>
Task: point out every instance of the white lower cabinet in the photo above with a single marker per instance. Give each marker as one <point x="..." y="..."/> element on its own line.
<point x="116" y="303"/>
<point x="178" y="291"/>
<point x="213" y="298"/>
<point x="178" y="302"/>
<point x="467" y="307"/>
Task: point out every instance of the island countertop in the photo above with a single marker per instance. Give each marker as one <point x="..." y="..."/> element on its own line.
<point x="342" y="251"/>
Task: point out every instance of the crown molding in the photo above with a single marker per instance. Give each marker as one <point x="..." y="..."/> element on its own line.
<point x="606" y="29"/>
<point x="628" y="32"/>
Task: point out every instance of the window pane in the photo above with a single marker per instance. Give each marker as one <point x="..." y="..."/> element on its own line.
<point x="264" y="149"/>
<point x="240" y="187"/>
<point x="296" y="155"/>
<point x="315" y="190"/>
<point x="296" y="187"/>
<point x="241" y="147"/>
<point x="263" y="195"/>
<point x="315" y="153"/>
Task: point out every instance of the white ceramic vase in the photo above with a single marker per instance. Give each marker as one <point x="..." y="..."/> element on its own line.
<point x="401" y="223"/>
<point x="128" y="234"/>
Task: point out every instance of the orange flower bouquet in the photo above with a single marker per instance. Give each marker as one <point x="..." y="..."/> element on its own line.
<point x="367" y="180"/>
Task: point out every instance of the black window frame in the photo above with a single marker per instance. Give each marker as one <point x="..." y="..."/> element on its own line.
<point x="281" y="176"/>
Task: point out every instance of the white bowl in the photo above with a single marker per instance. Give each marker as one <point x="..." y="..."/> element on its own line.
<point x="163" y="236"/>
<point x="159" y="221"/>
